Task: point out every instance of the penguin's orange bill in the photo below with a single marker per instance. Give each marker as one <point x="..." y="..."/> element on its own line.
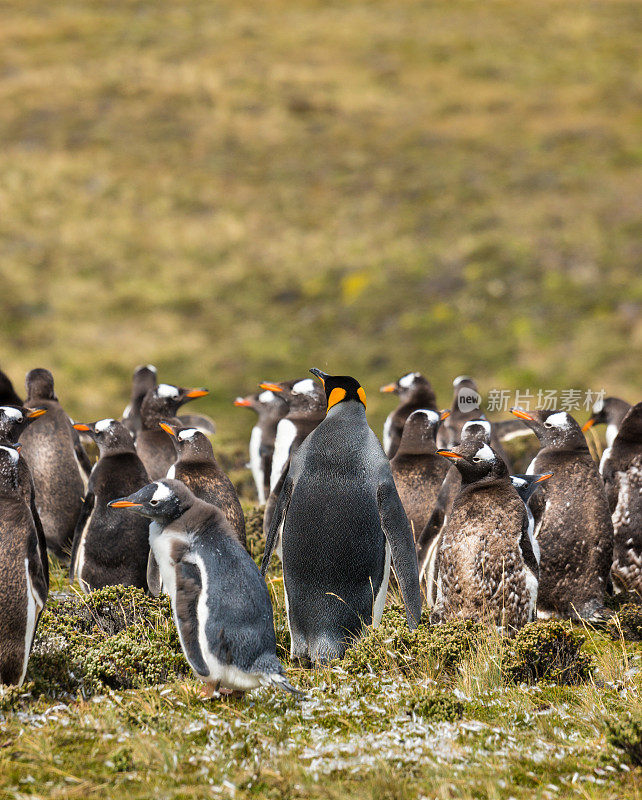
<point x="522" y="414"/>
<point x="242" y="402"/>
<point x="271" y="387"/>
<point x="37" y="412"/>
<point x="167" y="428"/>
<point x="448" y="454"/>
<point x="17" y="447"/>
<point x="588" y="424"/>
<point x="444" y="414"/>
<point x="124" y="504"/>
<point x="389" y="387"/>
<point x="544" y="477"/>
<point x="80" y="426"/>
<point x="194" y="393"/>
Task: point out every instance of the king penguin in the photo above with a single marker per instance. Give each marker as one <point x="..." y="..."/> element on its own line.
<point x="621" y="471"/>
<point x="220" y="603"/>
<point x="144" y="380"/>
<point x="154" y="445"/>
<point x="572" y="521"/>
<point x="107" y="549"/>
<point x="199" y="470"/>
<point x="340" y="517"/>
<point x="23" y="582"/>
<point x="13" y="421"/>
<point x="271" y="408"/>
<point x="59" y="465"/>
<point x="486" y="567"/>
<point x="414" y="392"/>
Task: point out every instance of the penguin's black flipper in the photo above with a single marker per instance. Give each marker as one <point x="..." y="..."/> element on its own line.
<point x="610" y="485"/>
<point x="85" y="512"/>
<point x="278" y="518"/>
<point x="404" y="556"/>
<point x="188" y="591"/>
<point x="81" y="453"/>
<point x="154" y="583"/>
<point x="42" y="542"/>
<point x="537" y="505"/>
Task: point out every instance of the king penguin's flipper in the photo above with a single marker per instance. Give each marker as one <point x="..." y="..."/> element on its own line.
<point x="404" y="557"/>
<point x="85" y="512"/>
<point x="280" y="511"/>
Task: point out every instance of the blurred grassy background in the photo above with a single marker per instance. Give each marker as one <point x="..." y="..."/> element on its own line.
<point x="237" y="191"/>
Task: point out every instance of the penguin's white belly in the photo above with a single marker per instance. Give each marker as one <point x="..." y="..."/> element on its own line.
<point x="531" y="467"/>
<point x="531" y="535"/>
<point x="605" y="456"/>
<point x="380" y="599"/>
<point x="611" y="433"/>
<point x="161" y="541"/>
<point x="171" y="472"/>
<point x="387" y="439"/>
<point x="80" y="556"/>
<point x="531" y="591"/>
<point x="227" y="675"/>
<point x="255" y="463"/>
<point x="285" y="435"/>
<point x="35" y="604"/>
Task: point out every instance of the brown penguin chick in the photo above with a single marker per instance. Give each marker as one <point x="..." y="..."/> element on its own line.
<point x="23" y="582"/>
<point x="155" y="447"/>
<point x="486" y="567"/>
<point x="59" y="465"/>
<point x="621" y="469"/>
<point x="197" y="467"/>
<point x="143" y="381"/>
<point x="8" y="396"/>
<point x="271" y="408"/>
<point x="13" y="422"/>
<point x="417" y="469"/>
<point x="572" y="521"/>
<point x="414" y="392"/>
<point x="107" y="549"/>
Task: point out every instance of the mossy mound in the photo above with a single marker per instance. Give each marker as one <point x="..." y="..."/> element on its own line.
<point x="393" y="645"/>
<point x="549" y="651"/>
<point x="627" y="623"/>
<point x="117" y="637"/>
<point x="626" y="735"/>
<point x="438" y="707"/>
<point x="616" y="601"/>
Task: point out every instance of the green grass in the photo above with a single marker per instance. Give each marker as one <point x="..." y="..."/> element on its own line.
<point x="410" y="729"/>
<point x="239" y="191"/>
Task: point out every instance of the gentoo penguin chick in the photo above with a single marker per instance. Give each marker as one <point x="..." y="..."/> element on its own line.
<point x="13" y="421"/>
<point x="609" y="411"/>
<point x="340" y="516"/>
<point x="144" y="380"/>
<point x="271" y="407"/>
<point x="8" y="396"/>
<point x="107" y="549"/>
<point x="220" y="603"/>
<point x="486" y="567"/>
<point x="414" y="392"/>
<point x="417" y="469"/>
<point x="572" y="521"/>
<point x="621" y="470"/>
<point x="155" y="446"/>
<point x="23" y="582"/>
<point x="59" y="465"/>
<point x="306" y="409"/>
<point x="199" y="470"/>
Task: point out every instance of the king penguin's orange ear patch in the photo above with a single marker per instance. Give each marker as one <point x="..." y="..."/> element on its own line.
<point x="362" y="396"/>
<point x="336" y="396"/>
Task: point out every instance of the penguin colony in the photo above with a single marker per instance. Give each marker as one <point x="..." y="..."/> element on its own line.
<point x="438" y="504"/>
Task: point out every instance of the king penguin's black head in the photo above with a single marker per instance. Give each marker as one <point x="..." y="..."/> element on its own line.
<point x="340" y="388"/>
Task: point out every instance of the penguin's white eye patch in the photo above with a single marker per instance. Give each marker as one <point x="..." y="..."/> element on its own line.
<point x="305" y="386"/>
<point x="162" y="493"/>
<point x="559" y="420"/>
<point x="187" y="434"/>
<point x="518" y="481"/>
<point x="13" y="454"/>
<point x="484" y="454"/>
<point x="433" y="416"/>
<point x="459" y="379"/>
<point x="12" y="413"/>
<point x="151" y="368"/>
<point x="266" y="397"/>
<point x="166" y="390"/>
<point x="483" y="423"/>
<point x="103" y="424"/>
<point x="598" y="406"/>
<point x="407" y="380"/>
